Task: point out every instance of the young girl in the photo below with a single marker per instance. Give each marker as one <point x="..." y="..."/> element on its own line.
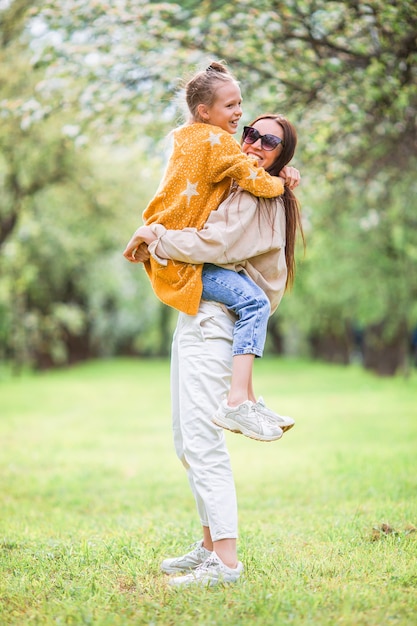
<point x="198" y="177"/>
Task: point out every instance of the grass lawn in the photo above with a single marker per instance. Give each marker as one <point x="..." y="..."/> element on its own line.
<point x="92" y="498"/>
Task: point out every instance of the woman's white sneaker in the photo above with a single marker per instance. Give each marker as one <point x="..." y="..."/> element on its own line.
<point x="186" y="562"/>
<point x="212" y="572"/>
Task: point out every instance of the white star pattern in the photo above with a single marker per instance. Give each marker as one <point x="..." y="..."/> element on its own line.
<point x="180" y="268"/>
<point x="190" y="191"/>
<point x="253" y="175"/>
<point x="214" y="139"/>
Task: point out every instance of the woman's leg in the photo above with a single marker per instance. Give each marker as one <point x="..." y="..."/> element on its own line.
<point x="225" y="549"/>
<point x="201" y="370"/>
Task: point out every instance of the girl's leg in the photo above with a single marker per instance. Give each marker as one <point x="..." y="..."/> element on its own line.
<point x="241" y="384"/>
<point x="251" y="306"/>
<point x="240" y="412"/>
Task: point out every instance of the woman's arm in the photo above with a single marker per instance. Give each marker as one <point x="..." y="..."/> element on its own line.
<point x="241" y="226"/>
<point x="238" y="230"/>
<point x="218" y="240"/>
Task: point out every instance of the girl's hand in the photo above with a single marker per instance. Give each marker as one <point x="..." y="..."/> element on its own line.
<point x="142" y="253"/>
<point x="132" y="248"/>
<point x="291" y="176"/>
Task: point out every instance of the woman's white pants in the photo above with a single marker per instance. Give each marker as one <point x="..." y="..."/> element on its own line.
<point x="200" y="378"/>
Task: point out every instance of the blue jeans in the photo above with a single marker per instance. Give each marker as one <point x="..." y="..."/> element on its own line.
<point x="246" y="300"/>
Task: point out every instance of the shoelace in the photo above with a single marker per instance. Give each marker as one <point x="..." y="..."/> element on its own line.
<point x="266" y="420"/>
<point x="254" y="413"/>
<point x="211" y="561"/>
<point x="263" y="419"/>
<point x="270" y="419"/>
<point x="265" y="411"/>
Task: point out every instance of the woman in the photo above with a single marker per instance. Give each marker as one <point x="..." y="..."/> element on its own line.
<point x="246" y="234"/>
<point x="204" y="161"/>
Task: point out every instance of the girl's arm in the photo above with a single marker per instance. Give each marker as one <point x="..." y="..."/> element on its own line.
<point x="291" y="176"/>
<point x="231" y="162"/>
<point x="135" y="250"/>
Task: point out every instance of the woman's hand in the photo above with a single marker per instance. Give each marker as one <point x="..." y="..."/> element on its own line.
<point x="136" y="250"/>
<point x="291" y="176"/>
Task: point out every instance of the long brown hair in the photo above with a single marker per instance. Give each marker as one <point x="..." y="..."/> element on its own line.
<point x="291" y="204"/>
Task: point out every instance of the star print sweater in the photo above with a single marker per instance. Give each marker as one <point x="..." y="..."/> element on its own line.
<point x="244" y="234"/>
<point x="204" y="161"/>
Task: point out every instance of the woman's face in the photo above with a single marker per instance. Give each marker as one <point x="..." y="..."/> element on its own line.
<point x="265" y="157"/>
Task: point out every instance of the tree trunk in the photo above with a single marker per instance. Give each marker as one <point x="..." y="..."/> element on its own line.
<point x="276" y="338"/>
<point x="332" y="346"/>
<point x="382" y="353"/>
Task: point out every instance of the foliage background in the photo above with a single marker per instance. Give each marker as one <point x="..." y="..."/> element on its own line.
<point x="93" y="499"/>
<point x="88" y="95"/>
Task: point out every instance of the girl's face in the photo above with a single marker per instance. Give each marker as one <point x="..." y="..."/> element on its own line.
<point x="226" y="109"/>
<point x="265" y="157"/>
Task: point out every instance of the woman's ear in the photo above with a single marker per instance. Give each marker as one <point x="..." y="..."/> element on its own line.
<point x="202" y="111"/>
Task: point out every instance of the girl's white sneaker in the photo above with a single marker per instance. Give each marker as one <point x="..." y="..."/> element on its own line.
<point x="283" y="421"/>
<point x="249" y="420"/>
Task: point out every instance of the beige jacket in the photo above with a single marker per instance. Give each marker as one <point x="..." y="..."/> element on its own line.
<point x="245" y="233"/>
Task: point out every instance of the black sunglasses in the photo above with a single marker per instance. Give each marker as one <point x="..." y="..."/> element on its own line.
<point x="268" y="142"/>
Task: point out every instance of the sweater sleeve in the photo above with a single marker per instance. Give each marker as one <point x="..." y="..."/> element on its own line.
<point x="231" y="162"/>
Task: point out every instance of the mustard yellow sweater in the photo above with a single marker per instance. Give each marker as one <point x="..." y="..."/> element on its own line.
<point x="203" y="163"/>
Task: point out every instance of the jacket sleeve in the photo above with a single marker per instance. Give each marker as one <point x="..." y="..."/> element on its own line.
<point x="229" y="235"/>
<point x="189" y="245"/>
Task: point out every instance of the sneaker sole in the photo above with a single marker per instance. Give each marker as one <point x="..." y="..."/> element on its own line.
<point x="286" y="427"/>
<point x="241" y="430"/>
<point x="207" y="582"/>
<point x="283" y="425"/>
<point x="176" y="570"/>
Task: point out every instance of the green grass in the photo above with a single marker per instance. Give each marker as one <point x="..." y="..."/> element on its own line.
<point x="92" y="498"/>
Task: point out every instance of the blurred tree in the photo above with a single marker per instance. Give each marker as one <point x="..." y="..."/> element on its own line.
<point x="360" y="274"/>
<point x="348" y="64"/>
<point x="343" y="71"/>
<point x="60" y="223"/>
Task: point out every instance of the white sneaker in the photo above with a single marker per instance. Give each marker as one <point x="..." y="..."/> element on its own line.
<point x="246" y="418"/>
<point x="188" y="561"/>
<point x="209" y="573"/>
<point x="283" y="421"/>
